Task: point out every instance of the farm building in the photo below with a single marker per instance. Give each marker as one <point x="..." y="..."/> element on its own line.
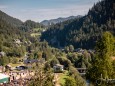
<point x="58" y="68"/>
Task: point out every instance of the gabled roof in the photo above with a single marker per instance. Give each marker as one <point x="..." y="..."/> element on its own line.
<point x="33" y="61"/>
<point x="59" y="65"/>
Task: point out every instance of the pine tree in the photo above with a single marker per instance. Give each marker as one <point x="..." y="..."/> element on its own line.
<point x="102" y="65"/>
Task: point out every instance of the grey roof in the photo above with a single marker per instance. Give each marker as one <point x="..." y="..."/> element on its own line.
<point x="33" y="61"/>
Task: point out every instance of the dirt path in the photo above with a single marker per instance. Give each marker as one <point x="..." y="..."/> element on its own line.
<point x="56" y="78"/>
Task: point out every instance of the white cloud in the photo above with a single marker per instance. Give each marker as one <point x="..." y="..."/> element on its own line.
<point x="3" y="6"/>
<point x="43" y="14"/>
<point x="39" y="13"/>
<point x="49" y="13"/>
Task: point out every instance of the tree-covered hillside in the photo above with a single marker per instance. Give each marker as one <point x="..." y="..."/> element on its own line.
<point x="15" y="34"/>
<point x="85" y="31"/>
<point x="58" y="20"/>
<point x="30" y="25"/>
<point x="24" y="26"/>
<point x="9" y="19"/>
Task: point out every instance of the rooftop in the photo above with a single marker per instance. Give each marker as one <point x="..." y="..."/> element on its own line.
<point x="58" y="65"/>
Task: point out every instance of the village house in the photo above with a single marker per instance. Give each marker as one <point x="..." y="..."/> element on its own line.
<point x="58" y="68"/>
<point x="20" y="74"/>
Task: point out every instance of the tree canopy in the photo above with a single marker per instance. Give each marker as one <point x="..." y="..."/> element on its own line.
<point x="102" y="63"/>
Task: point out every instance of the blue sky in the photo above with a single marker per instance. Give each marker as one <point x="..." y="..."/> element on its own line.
<point x="38" y="10"/>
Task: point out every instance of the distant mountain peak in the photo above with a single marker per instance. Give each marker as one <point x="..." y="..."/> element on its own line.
<point x="58" y="20"/>
<point x="85" y="31"/>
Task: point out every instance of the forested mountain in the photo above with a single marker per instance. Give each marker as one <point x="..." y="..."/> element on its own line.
<point x="14" y="34"/>
<point x="58" y="20"/>
<point x="9" y="33"/>
<point x="10" y="20"/>
<point x="9" y="27"/>
<point x="24" y="26"/>
<point x="84" y="32"/>
<point x="29" y="25"/>
<point x="32" y="24"/>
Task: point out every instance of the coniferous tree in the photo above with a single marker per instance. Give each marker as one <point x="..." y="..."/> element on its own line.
<point x="102" y="64"/>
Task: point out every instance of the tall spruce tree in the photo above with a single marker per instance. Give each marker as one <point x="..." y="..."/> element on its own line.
<point x="102" y="64"/>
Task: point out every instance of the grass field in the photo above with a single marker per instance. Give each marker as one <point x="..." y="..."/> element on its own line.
<point x="17" y="64"/>
<point x="35" y="34"/>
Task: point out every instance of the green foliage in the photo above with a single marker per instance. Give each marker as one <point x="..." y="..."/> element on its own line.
<point x="40" y="50"/>
<point x="14" y="60"/>
<point x="4" y="60"/>
<point x="72" y="57"/>
<point x="54" y="62"/>
<point x="69" y="48"/>
<point x="78" y="79"/>
<point x="102" y="64"/>
<point x="31" y="24"/>
<point x="47" y="66"/>
<point x="69" y="81"/>
<point x="113" y="63"/>
<point x="85" y="31"/>
<point x="12" y="29"/>
<point x="83" y="61"/>
<point x="106" y="45"/>
<point x="67" y="63"/>
<point x="66" y="49"/>
<point x="42" y="77"/>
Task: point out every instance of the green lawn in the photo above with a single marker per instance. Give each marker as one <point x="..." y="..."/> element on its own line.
<point x="14" y="65"/>
<point x="38" y="29"/>
<point x="35" y="34"/>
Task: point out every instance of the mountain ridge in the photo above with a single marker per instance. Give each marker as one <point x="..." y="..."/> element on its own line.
<point x="58" y="20"/>
<point x="85" y="31"/>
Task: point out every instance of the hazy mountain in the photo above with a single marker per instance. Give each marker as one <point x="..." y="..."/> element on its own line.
<point x="58" y="20"/>
<point x="85" y="31"/>
<point x="9" y="19"/>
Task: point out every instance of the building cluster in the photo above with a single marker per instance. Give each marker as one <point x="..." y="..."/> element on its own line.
<point x="15" y="78"/>
<point x="19" y="75"/>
